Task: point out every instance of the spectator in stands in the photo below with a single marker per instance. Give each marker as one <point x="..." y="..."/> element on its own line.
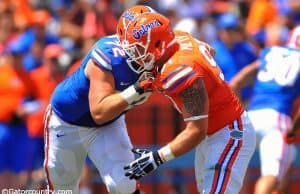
<point x="15" y="147"/>
<point x="6" y="28"/>
<point x="261" y="13"/>
<point x="233" y="51"/>
<point x="99" y="20"/>
<point x="41" y="37"/>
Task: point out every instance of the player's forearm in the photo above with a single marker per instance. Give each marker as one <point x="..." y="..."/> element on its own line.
<point x="186" y="141"/>
<point x="245" y="77"/>
<point x="195" y="112"/>
<point x="189" y="138"/>
<point x="109" y="108"/>
<point x="113" y="105"/>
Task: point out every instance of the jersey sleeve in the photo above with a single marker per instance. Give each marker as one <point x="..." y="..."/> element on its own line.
<point x="101" y="58"/>
<point x="177" y="79"/>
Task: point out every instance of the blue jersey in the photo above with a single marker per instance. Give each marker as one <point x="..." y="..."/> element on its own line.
<point x="70" y="98"/>
<point x="278" y="82"/>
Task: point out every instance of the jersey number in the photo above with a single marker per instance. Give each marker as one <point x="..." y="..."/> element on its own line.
<point x="210" y="59"/>
<point x="118" y="52"/>
<point x="281" y="66"/>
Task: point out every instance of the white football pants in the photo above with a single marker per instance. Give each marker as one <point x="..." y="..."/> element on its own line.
<point x="222" y="159"/>
<point x="275" y="155"/>
<point x="67" y="146"/>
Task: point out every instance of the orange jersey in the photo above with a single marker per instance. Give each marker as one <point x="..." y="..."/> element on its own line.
<point x="14" y="86"/>
<point x="44" y="83"/>
<point x="44" y="86"/>
<point x="193" y="61"/>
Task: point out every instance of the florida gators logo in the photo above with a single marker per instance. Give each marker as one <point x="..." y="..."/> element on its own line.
<point x="128" y="15"/>
<point x="137" y="33"/>
<point x="236" y="134"/>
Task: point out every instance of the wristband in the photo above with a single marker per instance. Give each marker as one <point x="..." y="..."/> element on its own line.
<point x="166" y="153"/>
<point x="130" y="94"/>
<point x="158" y="160"/>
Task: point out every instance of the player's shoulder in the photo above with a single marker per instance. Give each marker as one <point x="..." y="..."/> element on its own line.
<point x="192" y="48"/>
<point x="174" y="75"/>
<point x="107" y="52"/>
<point x="181" y="34"/>
<point x="280" y="49"/>
<point x="277" y="51"/>
<point x="185" y="40"/>
<point x="178" y="61"/>
<point x="108" y="45"/>
<point x="107" y="42"/>
<point x="294" y="50"/>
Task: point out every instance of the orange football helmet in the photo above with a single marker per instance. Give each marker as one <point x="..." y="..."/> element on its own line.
<point x="294" y="38"/>
<point x="128" y="15"/>
<point x="145" y="40"/>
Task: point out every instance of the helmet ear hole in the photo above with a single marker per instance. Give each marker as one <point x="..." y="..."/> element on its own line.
<point x="157" y="44"/>
<point x="121" y="31"/>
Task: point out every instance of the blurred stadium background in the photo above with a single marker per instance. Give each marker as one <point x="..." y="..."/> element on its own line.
<point x="44" y="40"/>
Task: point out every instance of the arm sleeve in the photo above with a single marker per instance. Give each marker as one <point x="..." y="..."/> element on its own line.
<point x="179" y="78"/>
<point x="101" y="59"/>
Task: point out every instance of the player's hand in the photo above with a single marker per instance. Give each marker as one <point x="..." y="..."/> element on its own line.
<point x="144" y="83"/>
<point x="289" y="137"/>
<point x="144" y="87"/>
<point x="146" y="162"/>
<point x="139" y="92"/>
<point x="142" y="98"/>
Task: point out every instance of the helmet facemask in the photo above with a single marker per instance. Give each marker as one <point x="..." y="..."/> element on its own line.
<point x="139" y="59"/>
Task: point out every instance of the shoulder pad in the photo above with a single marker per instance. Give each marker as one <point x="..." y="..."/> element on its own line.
<point x="102" y="52"/>
<point x="175" y="77"/>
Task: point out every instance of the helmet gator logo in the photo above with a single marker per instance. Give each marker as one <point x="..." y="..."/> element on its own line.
<point x="137" y="33"/>
<point x="128" y="15"/>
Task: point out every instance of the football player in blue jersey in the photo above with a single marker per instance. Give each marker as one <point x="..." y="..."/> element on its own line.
<point x="276" y="86"/>
<point x="86" y="117"/>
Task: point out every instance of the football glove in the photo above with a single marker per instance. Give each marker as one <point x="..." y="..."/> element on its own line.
<point x="144" y="83"/>
<point x="146" y="162"/>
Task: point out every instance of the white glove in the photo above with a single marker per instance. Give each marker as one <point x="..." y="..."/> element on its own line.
<point x="147" y="162"/>
<point x="139" y="92"/>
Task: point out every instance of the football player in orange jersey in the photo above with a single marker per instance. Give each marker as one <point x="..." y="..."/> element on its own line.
<point x="216" y="123"/>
